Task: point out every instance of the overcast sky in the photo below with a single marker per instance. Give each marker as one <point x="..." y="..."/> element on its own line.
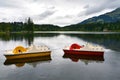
<point x="58" y="12"/>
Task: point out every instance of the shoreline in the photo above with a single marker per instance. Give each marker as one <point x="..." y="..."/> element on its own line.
<point x="76" y="32"/>
<point x="63" y="32"/>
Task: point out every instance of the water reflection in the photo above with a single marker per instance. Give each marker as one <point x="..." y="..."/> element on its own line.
<point x="46" y="34"/>
<point x="84" y="58"/>
<point x="31" y="61"/>
<point x="18" y="37"/>
<point x="102" y="68"/>
<point x="110" y="41"/>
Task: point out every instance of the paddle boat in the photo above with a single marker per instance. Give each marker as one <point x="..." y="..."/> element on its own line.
<point x="87" y="49"/>
<point x="32" y="51"/>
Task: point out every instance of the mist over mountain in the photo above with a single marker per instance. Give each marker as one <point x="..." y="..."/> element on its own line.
<point x="113" y="16"/>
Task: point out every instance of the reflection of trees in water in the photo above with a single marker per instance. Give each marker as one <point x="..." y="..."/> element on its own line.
<point x="28" y="37"/>
<point x="5" y="37"/>
<point x="46" y="34"/>
<point x="111" y="41"/>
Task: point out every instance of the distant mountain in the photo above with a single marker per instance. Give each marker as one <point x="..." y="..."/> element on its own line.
<point x="113" y="16"/>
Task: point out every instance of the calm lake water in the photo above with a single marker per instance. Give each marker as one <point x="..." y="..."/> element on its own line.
<point x="59" y="67"/>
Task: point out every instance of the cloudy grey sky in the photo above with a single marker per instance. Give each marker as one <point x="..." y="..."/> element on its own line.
<point x="58" y="12"/>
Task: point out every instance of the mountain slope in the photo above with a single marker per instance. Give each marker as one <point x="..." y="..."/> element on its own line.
<point x="113" y="16"/>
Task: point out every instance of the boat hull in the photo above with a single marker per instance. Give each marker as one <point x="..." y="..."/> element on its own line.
<point x="76" y="57"/>
<point x="27" y="55"/>
<point x="80" y="52"/>
<point x="27" y="60"/>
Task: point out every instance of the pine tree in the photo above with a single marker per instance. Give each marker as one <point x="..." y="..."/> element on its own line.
<point x="29" y="25"/>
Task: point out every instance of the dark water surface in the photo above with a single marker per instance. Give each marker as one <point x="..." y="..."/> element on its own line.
<point x="59" y="67"/>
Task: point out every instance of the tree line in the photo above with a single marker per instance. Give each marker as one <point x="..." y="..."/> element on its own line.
<point x="17" y="26"/>
<point x="113" y="26"/>
<point x="29" y="27"/>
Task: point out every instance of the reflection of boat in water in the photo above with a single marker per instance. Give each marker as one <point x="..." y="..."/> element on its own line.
<point x="31" y="61"/>
<point x="85" y="58"/>
<point x="33" y="51"/>
<point x="87" y="49"/>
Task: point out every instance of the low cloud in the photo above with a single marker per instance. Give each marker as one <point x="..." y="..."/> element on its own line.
<point x="11" y="4"/>
<point x="46" y="14"/>
<point x="99" y="7"/>
<point x="86" y="6"/>
<point x="62" y="12"/>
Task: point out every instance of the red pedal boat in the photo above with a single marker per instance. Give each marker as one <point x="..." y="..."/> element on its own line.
<point x="87" y="49"/>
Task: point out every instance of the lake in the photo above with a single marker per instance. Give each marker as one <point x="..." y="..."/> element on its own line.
<point x="60" y="67"/>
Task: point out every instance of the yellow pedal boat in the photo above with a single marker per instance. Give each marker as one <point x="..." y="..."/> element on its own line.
<point x="33" y="51"/>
